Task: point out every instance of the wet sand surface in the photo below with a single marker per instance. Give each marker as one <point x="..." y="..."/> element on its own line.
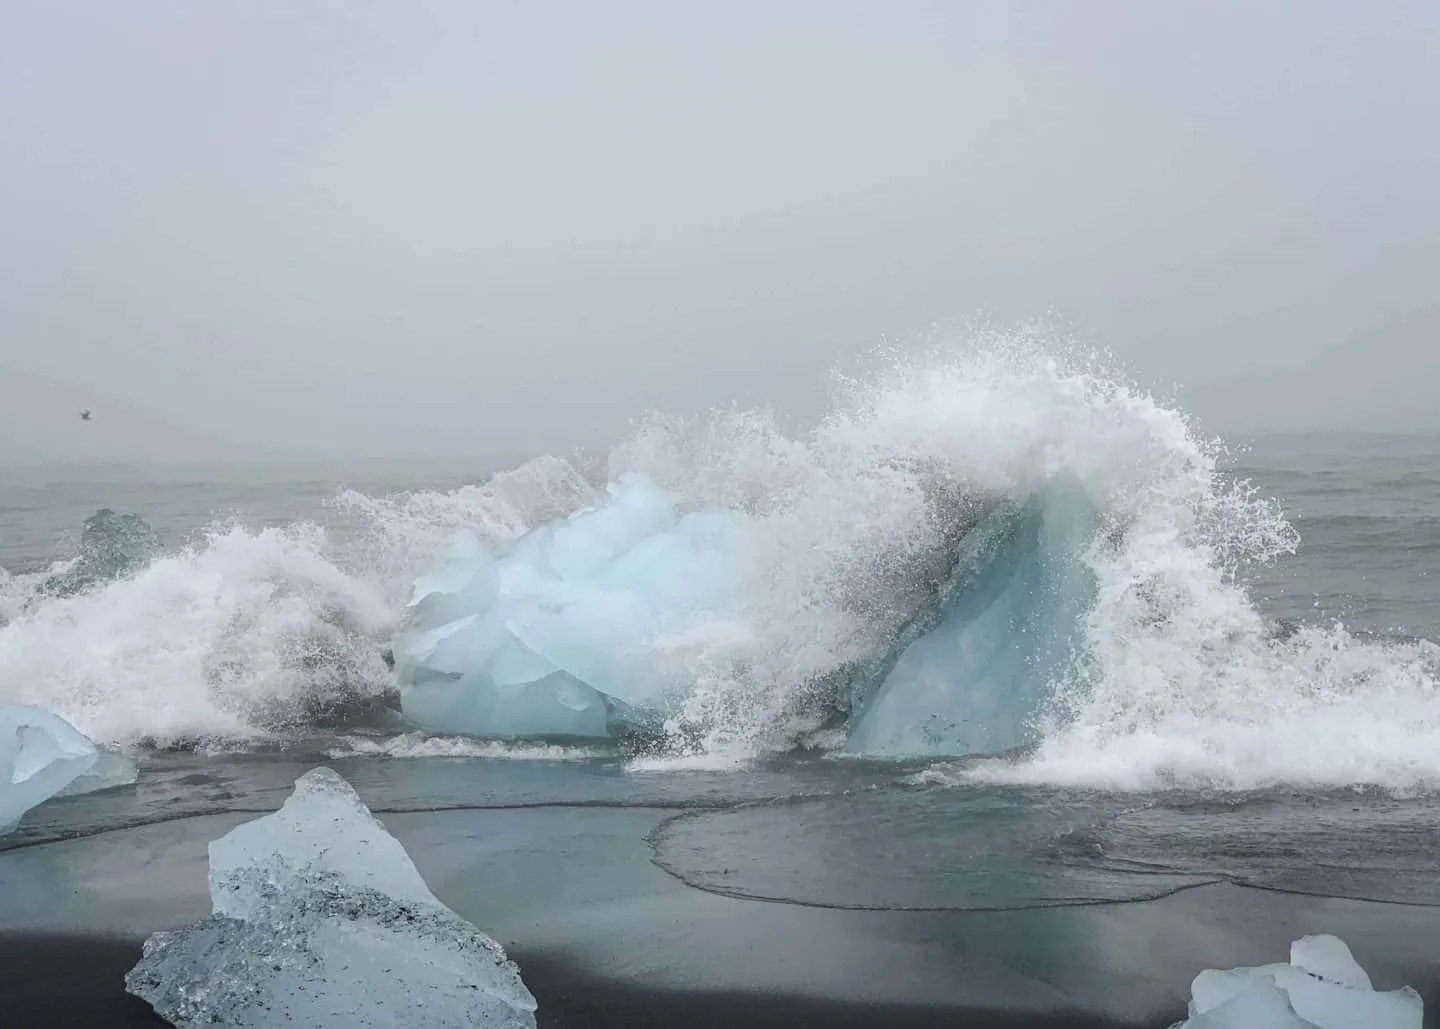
<point x="77" y="982"/>
<point x="661" y="913"/>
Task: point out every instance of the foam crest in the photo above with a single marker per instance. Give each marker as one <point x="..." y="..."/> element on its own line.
<point x="392" y="537"/>
<point x="243" y="634"/>
<point x="1320" y="709"/>
<point x="854" y="522"/>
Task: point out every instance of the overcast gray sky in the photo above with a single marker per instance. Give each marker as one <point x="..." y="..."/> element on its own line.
<point x="335" y="227"/>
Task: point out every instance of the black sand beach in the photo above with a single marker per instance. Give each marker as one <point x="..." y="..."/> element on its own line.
<point x="606" y="937"/>
<point x="77" y="982"/>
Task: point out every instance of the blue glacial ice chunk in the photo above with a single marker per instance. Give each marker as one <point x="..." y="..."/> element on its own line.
<point x="44" y="756"/>
<point x="548" y="634"/>
<point x="1322" y="987"/>
<point x="978" y="670"/>
<point x="109" y="770"/>
<point x="112" y="546"/>
<point x="1261" y="1006"/>
<point x="320" y="919"/>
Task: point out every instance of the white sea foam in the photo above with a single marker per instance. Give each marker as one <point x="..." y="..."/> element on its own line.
<point x="421" y="745"/>
<point x="237" y="636"/>
<point x="1181" y="682"/>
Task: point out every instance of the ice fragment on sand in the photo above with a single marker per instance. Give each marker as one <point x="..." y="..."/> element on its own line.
<point x="321" y="920"/>
<point x="1261" y="1006"/>
<point x="1006" y="627"/>
<point x="1321" y="988"/>
<point x="1328" y="957"/>
<point x="43" y="756"/>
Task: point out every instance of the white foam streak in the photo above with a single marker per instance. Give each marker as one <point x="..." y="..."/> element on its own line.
<point x="419" y="745"/>
<point x="217" y="641"/>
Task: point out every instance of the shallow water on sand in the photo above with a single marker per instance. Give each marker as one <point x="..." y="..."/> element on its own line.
<point x="842" y="833"/>
<point x="795" y="883"/>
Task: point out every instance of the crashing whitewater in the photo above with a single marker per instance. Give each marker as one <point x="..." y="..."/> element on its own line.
<point x="789" y="588"/>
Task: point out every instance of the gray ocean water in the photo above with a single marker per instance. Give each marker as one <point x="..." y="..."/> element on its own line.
<point x="1367" y="508"/>
<point x="42" y="507"/>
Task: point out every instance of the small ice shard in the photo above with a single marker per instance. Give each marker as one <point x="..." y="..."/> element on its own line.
<point x="1322" y="987"/>
<point x="320" y="919"/>
<point x="44" y="756"/>
<point x="977" y="675"/>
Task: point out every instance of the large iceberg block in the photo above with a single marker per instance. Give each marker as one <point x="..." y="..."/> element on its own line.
<point x="44" y="756"/>
<point x="555" y="634"/>
<point x="976" y="672"/>
<point x="548" y="635"/>
<point x="321" y="920"/>
<point x="1322" y="987"/>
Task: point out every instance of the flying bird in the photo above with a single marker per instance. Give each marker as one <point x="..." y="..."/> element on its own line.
<point x="85" y="415"/>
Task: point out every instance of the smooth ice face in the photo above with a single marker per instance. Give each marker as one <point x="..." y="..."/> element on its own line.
<point x="1328" y="957"/>
<point x="549" y="635"/>
<point x="321" y="829"/>
<point x="44" y="756"/>
<point x="321" y="920"/>
<point x="1008" y="625"/>
<point x="1262" y="1006"/>
<point x="1322" y="987"/>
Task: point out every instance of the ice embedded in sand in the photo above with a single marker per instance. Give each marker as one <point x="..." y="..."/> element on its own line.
<point x="1322" y="987"/>
<point x="43" y="756"/>
<point x="1007" y="626"/>
<point x="321" y="919"/>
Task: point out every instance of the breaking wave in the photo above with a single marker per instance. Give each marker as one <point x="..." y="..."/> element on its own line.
<point x="260" y="635"/>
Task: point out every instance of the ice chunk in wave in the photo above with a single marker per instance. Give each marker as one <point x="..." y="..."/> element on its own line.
<point x="555" y="634"/>
<point x="549" y="634"/>
<point x="979" y="667"/>
<point x="321" y="919"/>
<point x="43" y="756"/>
<point x="112" y="546"/>
<point x="1322" y="987"/>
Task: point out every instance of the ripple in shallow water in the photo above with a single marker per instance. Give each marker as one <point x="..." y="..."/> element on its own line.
<point x="1363" y="847"/>
<point x="906" y="850"/>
